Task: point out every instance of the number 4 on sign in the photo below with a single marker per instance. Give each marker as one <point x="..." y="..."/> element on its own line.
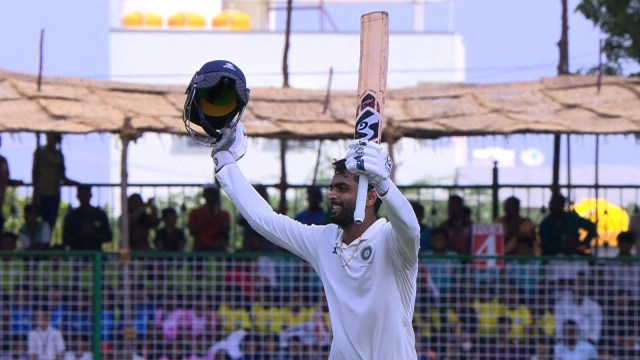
<point x="488" y="241"/>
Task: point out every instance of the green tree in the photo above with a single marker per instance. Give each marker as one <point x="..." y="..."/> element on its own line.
<point x="620" y="20"/>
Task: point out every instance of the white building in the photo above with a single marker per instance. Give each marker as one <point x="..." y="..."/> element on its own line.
<point x="161" y="54"/>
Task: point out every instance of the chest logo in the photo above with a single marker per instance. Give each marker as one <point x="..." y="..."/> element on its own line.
<point x="366" y="252"/>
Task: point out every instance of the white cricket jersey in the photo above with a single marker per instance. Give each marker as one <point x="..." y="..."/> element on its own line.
<point x="46" y="345"/>
<point x="371" y="298"/>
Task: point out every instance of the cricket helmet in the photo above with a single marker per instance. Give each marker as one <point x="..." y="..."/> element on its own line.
<point x="216" y="98"/>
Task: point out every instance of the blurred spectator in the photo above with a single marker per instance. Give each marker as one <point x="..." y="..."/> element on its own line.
<point x="110" y="323"/>
<point x="79" y="349"/>
<point x="48" y="175"/>
<point x="560" y="230"/>
<point x="144" y="313"/>
<point x="266" y="316"/>
<point x="515" y="226"/>
<point x="232" y="312"/>
<point x="59" y="307"/>
<point x="572" y="346"/>
<point x="622" y="327"/>
<point x="624" y="273"/>
<point x="35" y="234"/>
<point x="45" y="341"/>
<point x="542" y="313"/>
<point x="314" y="214"/>
<point x="634" y="228"/>
<point x="271" y="346"/>
<point x="440" y="265"/>
<point x="489" y="305"/>
<point x="142" y="219"/>
<point x="297" y="311"/>
<point x="86" y="227"/>
<point x="8" y="242"/>
<point x="516" y="310"/>
<point x="251" y="347"/>
<point x="500" y="346"/>
<point x="21" y="310"/>
<point x="425" y="231"/>
<point x="576" y="305"/>
<point x="209" y="224"/>
<point x="170" y="237"/>
<point x="566" y="266"/>
<point x="458" y="226"/>
<point x="537" y="344"/>
<point x="15" y="348"/>
<point x="522" y="269"/>
<point x="79" y="320"/>
<point x="294" y="349"/>
<point x="5" y="181"/>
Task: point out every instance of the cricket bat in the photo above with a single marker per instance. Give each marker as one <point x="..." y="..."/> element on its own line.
<point x="372" y="83"/>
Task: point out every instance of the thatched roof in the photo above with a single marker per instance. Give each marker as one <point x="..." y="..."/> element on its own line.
<point x="554" y="105"/>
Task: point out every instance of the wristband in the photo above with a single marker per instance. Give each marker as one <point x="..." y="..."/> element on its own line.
<point x="222" y="158"/>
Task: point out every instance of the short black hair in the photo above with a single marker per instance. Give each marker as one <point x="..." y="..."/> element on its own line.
<point x="441" y="231"/>
<point x="526" y="240"/>
<point x="513" y="199"/>
<point x="340" y="168"/>
<point x="625" y="237"/>
<point x="169" y="211"/>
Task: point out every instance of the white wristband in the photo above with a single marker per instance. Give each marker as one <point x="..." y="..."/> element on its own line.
<point x="222" y="158"/>
<point x="382" y="187"/>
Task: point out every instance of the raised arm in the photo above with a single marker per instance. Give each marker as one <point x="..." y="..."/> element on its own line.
<point x="279" y="229"/>
<point x="369" y="159"/>
<point x="404" y="222"/>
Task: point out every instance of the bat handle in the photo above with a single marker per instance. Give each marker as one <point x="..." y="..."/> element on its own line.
<point x="361" y="200"/>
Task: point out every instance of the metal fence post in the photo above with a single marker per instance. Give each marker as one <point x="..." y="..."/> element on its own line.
<point x="495" y="188"/>
<point x="97" y="304"/>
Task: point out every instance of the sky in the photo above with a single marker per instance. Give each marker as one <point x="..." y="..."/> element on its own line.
<point x="505" y="40"/>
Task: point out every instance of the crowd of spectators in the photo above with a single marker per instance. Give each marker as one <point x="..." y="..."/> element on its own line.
<point x="548" y="299"/>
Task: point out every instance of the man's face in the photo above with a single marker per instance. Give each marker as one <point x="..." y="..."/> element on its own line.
<point x="511" y="207"/>
<point x="84" y="196"/>
<point x="570" y="332"/>
<point x="343" y="192"/>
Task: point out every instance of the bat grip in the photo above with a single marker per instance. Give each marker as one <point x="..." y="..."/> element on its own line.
<point x="361" y="200"/>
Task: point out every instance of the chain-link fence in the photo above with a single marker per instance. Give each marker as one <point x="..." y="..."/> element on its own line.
<point x="271" y="306"/>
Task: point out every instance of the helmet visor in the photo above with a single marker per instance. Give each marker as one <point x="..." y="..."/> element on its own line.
<point x="220" y="99"/>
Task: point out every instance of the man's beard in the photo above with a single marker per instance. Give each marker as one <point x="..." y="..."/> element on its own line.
<point x="344" y="217"/>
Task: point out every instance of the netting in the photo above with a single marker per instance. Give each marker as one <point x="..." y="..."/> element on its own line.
<point x="272" y="306"/>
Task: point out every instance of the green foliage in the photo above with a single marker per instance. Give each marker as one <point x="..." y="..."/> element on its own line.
<point x="620" y="20"/>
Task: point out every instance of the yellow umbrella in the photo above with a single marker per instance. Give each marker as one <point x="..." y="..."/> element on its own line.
<point x="187" y="20"/>
<point x="142" y="20"/>
<point x="233" y="20"/>
<point x="611" y="218"/>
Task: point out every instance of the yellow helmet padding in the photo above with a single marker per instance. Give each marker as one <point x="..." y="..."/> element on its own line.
<point x="222" y="104"/>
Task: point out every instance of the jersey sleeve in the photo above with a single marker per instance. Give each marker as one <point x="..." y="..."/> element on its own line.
<point x="279" y="229"/>
<point x="406" y="229"/>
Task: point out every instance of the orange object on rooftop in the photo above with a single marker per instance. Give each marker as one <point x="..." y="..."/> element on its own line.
<point x="187" y="20"/>
<point x="233" y="20"/>
<point x="142" y="20"/>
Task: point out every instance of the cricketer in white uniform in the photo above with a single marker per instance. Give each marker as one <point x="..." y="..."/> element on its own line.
<point x="369" y="271"/>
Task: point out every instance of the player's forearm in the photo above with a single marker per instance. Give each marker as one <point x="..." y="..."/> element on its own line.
<point x="403" y="219"/>
<point x="257" y="212"/>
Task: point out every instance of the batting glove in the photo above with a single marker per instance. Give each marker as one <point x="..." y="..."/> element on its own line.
<point x="369" y="159"/>
<point x="231" y="146"/>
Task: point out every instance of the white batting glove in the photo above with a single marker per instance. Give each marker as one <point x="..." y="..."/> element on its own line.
<point x="369" y="159"/>
<point x="231" y="146"/>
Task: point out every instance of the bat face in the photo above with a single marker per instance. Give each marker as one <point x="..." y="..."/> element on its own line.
<point x="372" y="82"/>
<point x="368" y="119"/>
<point x="372" y="77"/>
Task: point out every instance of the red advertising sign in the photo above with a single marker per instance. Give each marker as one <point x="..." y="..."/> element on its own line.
<point x="488" y="240"/>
